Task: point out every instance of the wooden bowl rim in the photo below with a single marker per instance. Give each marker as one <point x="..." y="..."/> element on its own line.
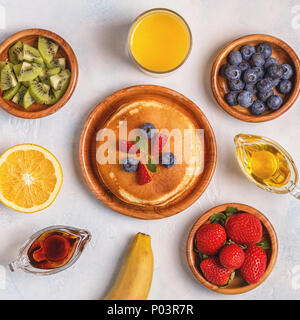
<point x="248" y="117"/>
<point x="9" y="41"/>
<point x="101" y="191"/>
<point x="242" y="207"/>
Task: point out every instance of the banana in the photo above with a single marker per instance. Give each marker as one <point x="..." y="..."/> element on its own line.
<point x="135" y="276"/>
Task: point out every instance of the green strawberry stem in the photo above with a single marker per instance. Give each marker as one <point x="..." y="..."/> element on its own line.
<point x="230" y="279"/>
<point x="265" y="245"/>
<point x="218" y="218"/>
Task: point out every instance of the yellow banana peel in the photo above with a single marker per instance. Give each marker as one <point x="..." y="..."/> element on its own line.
<point x="135" y="276"/>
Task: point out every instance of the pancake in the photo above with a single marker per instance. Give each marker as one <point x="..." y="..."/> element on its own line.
<point x="167" y="184"/>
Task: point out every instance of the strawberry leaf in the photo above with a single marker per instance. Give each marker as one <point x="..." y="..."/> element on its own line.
<point x="230" y="279"/>
<point x="202" y="256"/>
<point x="152" y="167"/>
<point x="265" y="245"/>
<point x="218" y="218"/>
<point x="230" y="211"/>
<point x="141" y="144"/>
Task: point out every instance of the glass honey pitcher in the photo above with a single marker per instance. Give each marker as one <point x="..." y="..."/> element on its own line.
<point x="51" y="250"/>
<point x="265" y="163"/>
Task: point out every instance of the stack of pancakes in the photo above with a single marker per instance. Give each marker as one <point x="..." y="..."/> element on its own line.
<point x="168" y="184"/>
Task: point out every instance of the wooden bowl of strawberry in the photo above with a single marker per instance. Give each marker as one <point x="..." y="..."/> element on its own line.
<point x="232" y="248"/>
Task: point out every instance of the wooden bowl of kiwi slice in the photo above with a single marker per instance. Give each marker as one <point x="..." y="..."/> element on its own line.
<point x="38" y="73"/>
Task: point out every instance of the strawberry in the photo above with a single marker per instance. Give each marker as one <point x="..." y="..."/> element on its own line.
<point x="159" y="142"/>
<point x="143" y="174"/>
<point x="210" y="238"/>
<point x="254" y="265"/>
<point x="214" y="272"/>
<point x="244" y="228"/>
<point x="128" y="147"/>
<point x="231" y="256"/>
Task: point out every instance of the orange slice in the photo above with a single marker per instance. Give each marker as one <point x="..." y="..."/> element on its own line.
<point x="30" y="178"/>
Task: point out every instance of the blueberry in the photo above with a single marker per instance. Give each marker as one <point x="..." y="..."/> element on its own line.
<point x="264" y="49"/>
<point x="222" y="69"/>
<point x="245" y="99"/>
<point x="260" y="71"/>
<point x="258" y="59"/>
<point x="236" y="85"/>
<point x="274" y="102"/>
<point x="250" y="76"/>
<point x="247" y="52"/>
<point x="264" y="96"/>
<point x="264" y="85"/>
<point x="258" y="107"/>
<point x="270" y="61"/>
<point x="130" y="164"/>
<point x="284" y="86"/>
<point x="287" y="71"/>
<point x="233" y="72"/>
<point x="274" y="81"/>
<point x="251" y="87"/>
<point x="275" y="71"/>
<point x="234" y="57"/>
<point x="231" y="98"/>
<point x="168" y="159"/>
<point x="149" y="130"/>
<point x="244" y="66"/>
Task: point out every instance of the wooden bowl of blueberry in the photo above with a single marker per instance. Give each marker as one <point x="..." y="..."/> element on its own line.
<point x="256" y="78"/>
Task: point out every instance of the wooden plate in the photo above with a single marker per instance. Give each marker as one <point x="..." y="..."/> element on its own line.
<point x="30" y="37"/>
<point x="281" y="51"/>
<point x="97" y="119"/>
<point x="237" y="285"/>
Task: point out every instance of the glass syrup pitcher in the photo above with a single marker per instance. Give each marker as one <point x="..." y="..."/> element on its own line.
<point x="265" y="163"/>
<point x="51" y="250"/>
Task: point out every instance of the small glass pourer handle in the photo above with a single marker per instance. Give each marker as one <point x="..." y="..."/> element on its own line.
<point x="295" y="191"/>
<point x="14" y="265"/>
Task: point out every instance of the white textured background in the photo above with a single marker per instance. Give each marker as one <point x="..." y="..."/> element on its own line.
<point x="97" y="30"/>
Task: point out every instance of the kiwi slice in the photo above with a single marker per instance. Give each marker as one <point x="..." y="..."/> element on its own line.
<point x="32" y="54"/>
<point x="61" y="80"/>
<point x="2" y="64"/>
<point x="52" y="99"/>
<point x="26" y="83"/>
<point x="47" y="73"/>
<point x="17" y="69"/>
<point x="39" y="91"/>
<point x="18" y="98"/>
<point x="43" y="75"/>
<point x="10" y="93"/>
<point x="15" y="53"/>
<point x="47" y="49"/>
<point x="7" y="78"/>
<point x="53" y="71"/>
<point x="57" y="63"/>
<point x="27" y="100"/>
<point x="29" y="72"/>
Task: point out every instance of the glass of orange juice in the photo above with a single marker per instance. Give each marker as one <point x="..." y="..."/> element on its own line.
<point x="159" y="41"/>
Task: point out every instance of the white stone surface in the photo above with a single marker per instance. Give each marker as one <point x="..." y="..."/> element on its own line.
<point x="97" y="30"/>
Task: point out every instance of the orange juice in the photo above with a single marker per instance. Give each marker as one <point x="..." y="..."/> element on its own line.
<point x="159" y="40"/>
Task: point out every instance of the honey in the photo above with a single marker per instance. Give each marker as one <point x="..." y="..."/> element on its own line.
<point x="267" y="164"/>
<point x="52" y="249"/>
